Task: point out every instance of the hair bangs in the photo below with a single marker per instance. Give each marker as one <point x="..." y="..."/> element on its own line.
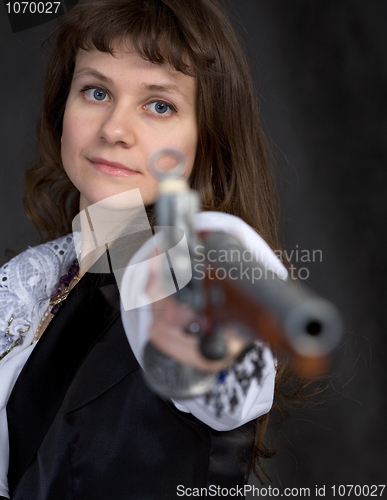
<point x="149" y="27"/>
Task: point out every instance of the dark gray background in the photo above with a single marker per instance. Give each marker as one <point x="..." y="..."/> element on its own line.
<point x="320" y="69"/>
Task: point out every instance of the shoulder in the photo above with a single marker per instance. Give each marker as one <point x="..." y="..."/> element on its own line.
<point x="37" y="269"/>
<point x="26" y="283"/>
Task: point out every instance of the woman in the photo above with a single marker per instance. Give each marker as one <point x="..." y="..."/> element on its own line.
<point x="127" y="77"/>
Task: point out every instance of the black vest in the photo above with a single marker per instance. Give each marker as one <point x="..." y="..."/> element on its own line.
<point x="83" y="424"/>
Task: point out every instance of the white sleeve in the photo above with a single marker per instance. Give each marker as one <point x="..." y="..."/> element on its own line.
<point x="258" y="398"/>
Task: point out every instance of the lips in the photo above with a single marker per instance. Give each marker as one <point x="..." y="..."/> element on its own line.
<point x="111" y="167"/>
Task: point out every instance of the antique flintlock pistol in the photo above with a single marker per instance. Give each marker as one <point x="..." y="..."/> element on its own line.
<point x="284" y="314"/>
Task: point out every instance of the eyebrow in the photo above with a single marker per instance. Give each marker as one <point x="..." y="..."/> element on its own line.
<point x="92" y="72"/>
<point x="166" y="87"/>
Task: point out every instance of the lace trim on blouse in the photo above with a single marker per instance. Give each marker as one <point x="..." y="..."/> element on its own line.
<point x="26" y="283"/>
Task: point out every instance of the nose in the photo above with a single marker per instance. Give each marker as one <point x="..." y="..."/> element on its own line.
<point x="118" y="126"/>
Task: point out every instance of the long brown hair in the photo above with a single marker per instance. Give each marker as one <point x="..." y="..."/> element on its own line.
<point x="232" y="171"/>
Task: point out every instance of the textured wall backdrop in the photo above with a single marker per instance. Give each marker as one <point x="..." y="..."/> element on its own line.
<point x="320" y="69"/>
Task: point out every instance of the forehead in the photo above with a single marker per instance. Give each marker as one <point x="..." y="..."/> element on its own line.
<point x="126" y="68"/>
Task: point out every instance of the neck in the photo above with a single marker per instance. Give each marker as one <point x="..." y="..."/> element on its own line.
<point x="91" y="250"/>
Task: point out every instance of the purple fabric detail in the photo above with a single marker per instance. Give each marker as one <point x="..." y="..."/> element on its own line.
<point x="64" y="282"/>
<point x="55" y="308"/>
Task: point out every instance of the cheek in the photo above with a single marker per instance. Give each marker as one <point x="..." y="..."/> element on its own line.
<point x="74" y="136"/>
<point x="68" y="139"/>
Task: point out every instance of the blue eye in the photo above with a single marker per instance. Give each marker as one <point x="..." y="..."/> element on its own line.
<point x="161" y="107"/>
<point x="96" y="93"/>
<point x="99" y="94"/>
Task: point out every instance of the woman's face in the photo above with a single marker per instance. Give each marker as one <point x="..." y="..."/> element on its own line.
<point x="119" y="110"/>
